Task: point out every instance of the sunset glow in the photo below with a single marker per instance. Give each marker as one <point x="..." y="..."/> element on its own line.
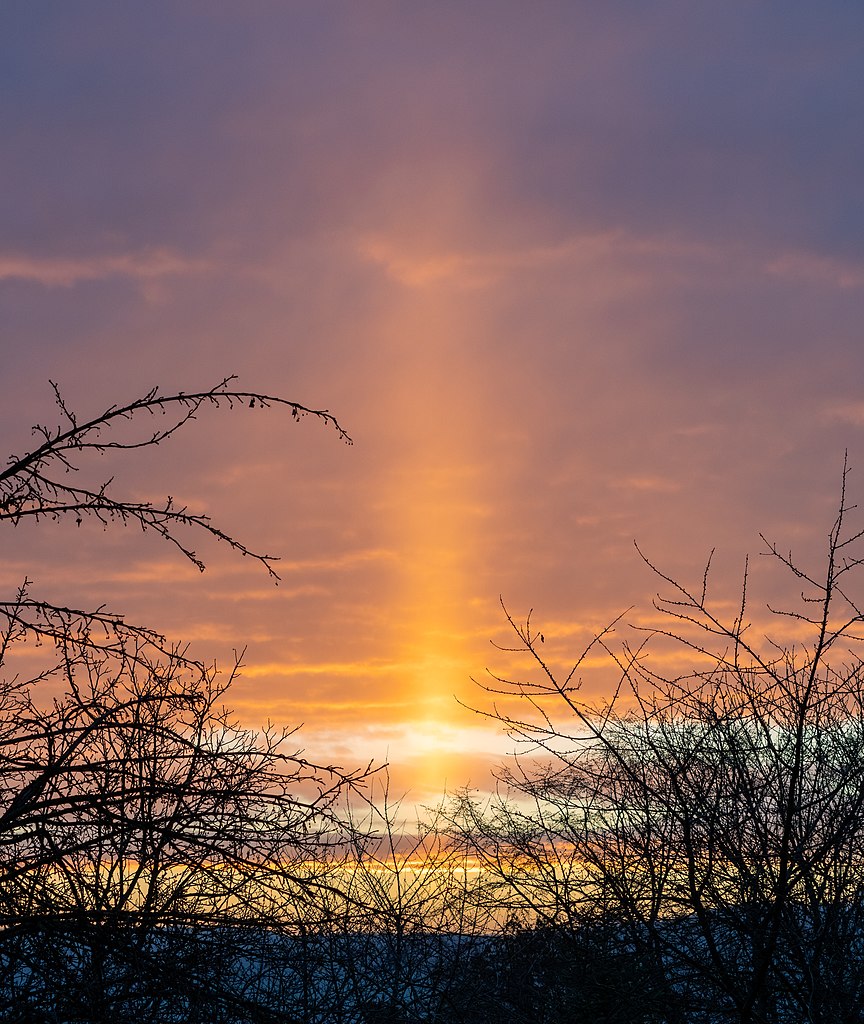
<point x="570" y="275"/>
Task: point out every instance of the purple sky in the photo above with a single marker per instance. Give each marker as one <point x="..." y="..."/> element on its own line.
<point x="571" y="274"/>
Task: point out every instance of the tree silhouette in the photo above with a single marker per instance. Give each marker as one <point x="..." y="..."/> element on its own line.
<point x="148" y="843"/>
<point x="714" y="820"/>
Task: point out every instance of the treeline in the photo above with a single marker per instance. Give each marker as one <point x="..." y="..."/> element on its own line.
<point x="688" y="851"/>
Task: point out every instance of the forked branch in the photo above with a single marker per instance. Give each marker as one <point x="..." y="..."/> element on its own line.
<point x="36" y="485"/>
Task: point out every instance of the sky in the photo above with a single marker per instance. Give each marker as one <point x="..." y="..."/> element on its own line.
<point x="572" y="275"/>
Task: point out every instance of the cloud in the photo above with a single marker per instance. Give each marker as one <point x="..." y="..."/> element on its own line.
<point x="416" y="266"/>
<point x="341" y="669"/>
<point x="648" y="483"/>
<point x="64" y="272"/>
<point x="348" y="560"/>
<point x="629" y="260"/>
<point x="817" y="269"/>
<point x="846" y="412"/>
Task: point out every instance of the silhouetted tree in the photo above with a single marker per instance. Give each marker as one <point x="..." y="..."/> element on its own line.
<point x="711" y="822"/>
<point x="151" y="849"/>
<point x="406" y="922"/>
